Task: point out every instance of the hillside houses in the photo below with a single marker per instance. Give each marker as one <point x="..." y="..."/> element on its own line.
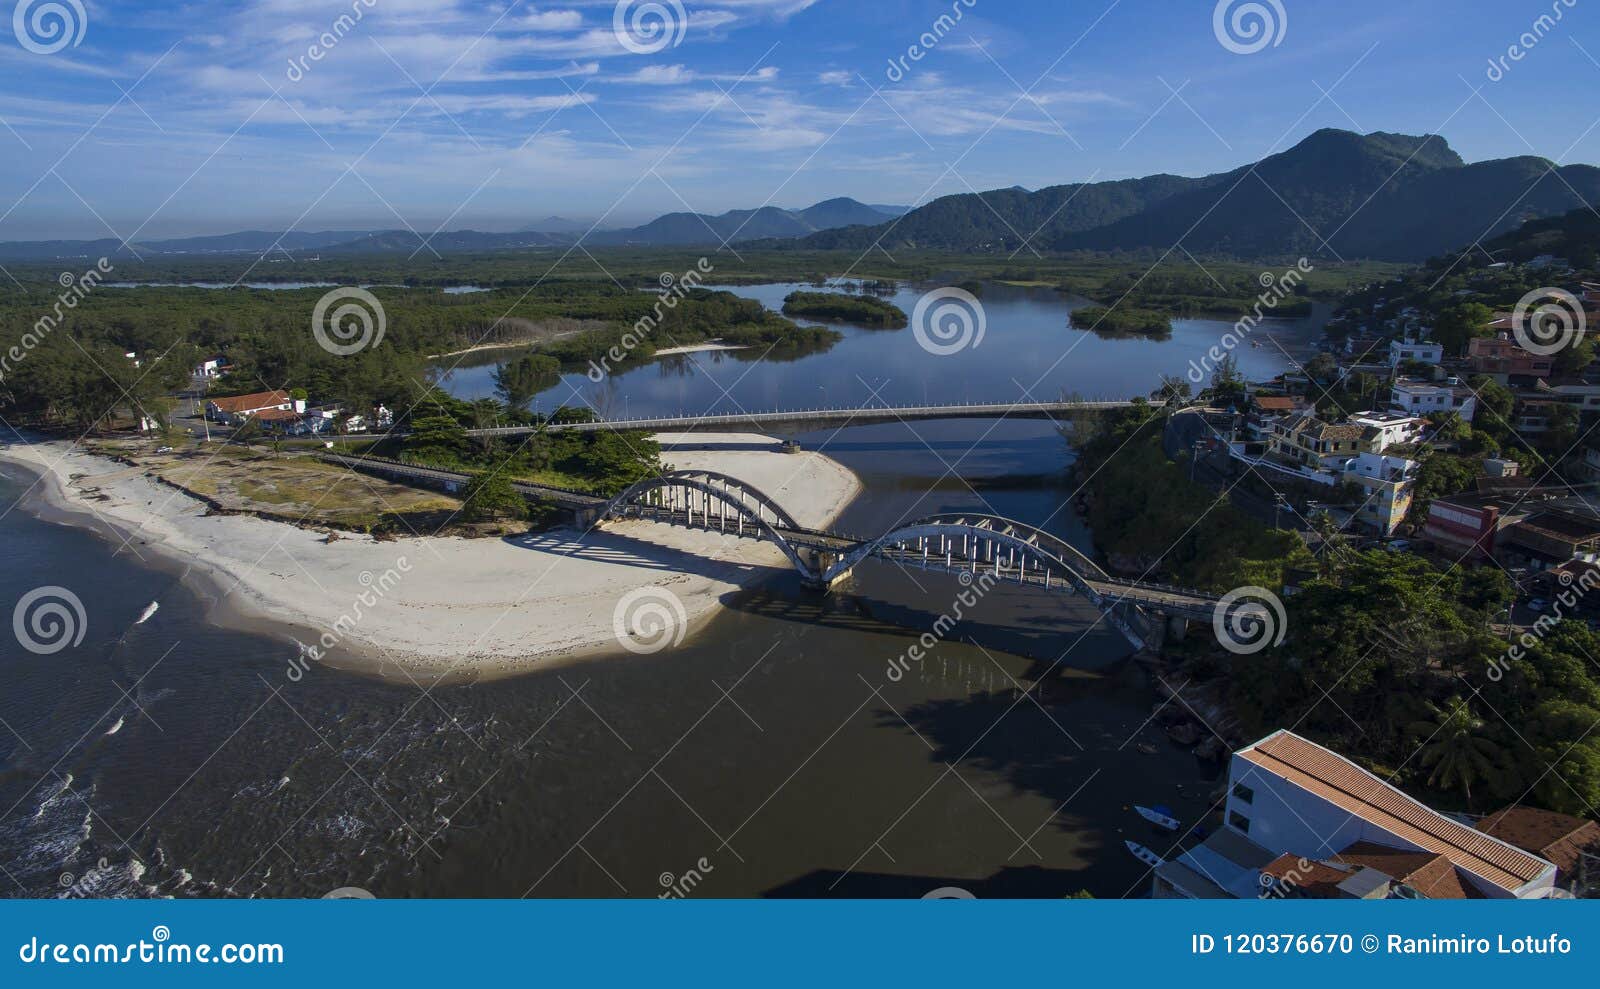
<point x="1357" y="452"/>
<point x="1502" y="358"/>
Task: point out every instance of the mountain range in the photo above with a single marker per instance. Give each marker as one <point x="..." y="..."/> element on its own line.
<point x="1391" y="197"/>
<point x="1337" y="193"/>
<point x="671" y="230"/>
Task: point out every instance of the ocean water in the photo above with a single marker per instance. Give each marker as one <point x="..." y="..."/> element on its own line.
<point x="771" y="754"/>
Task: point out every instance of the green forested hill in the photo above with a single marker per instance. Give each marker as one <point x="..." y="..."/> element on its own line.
<point x="1379" y="196"/>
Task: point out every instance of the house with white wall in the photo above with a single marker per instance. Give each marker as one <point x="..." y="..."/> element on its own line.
<point x="1423" y="398"/>
<point x="1290" y="795"/>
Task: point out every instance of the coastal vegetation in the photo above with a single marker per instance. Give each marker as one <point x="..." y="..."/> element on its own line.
<point x="1387" y="658"/>
<point x="1122" y="322"/>
<point x="1386" y="652"/>
<point x="603" y="462"/>
<point x="858" y="310"/>
<point x="121" y="352"/>
<point x="1153" y="523"/>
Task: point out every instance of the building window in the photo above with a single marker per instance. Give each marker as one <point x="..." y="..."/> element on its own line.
<point x="1239" y="821"/>
<point x="1244" y="793"/>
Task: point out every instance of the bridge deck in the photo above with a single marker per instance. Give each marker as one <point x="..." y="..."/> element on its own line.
<point x="814" y="418"/>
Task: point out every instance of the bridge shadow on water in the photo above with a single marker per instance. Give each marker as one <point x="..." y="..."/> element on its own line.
<point x="1045" y="626"/>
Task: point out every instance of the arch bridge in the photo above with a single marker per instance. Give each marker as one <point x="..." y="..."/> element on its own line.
<point x="983" y="549"/>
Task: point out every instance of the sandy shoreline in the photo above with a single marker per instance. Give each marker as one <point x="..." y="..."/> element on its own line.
<point x="444" y="607"/>
<point x="698" y="348"/>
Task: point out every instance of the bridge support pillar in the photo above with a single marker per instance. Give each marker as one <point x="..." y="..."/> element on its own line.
<point x="820" y="561"/>
<point x="1177" y="628"/>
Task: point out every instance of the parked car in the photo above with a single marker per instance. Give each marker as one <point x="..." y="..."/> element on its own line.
<point x="1538" y="604"/>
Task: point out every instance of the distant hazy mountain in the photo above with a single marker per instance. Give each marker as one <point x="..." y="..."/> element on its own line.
<point x="768" y="222"/>
<point x="674" y="229"/>
<point x="1337" y="193"/>
<point x="245" y="241"/>
<point x="559" y="225"/>
<point x="448" y="242"/>
<point x="1388" y="196"/>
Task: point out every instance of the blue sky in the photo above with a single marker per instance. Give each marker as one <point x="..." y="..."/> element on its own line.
<point x="174" y="118"/>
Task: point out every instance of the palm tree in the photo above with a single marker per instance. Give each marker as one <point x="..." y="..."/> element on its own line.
<point x="1455" y="750"/>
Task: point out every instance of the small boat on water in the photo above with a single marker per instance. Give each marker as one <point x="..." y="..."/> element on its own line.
<point x="1159" y="816"/>
<point x="1144" y="854"/>
<point x="148" y="613"/>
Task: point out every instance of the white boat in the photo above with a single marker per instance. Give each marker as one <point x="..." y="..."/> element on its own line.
<point x="146" y="615"/>
<point x="1144" y="854"/>
<point x="1157" y="818"/>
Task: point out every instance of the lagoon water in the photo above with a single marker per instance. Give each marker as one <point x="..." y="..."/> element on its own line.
<point x="772" y="754"/>
<point x="1029" y="352"/>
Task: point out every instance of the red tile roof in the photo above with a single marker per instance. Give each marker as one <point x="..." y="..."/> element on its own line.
<point x="1315" y="880"/>
<point x="250" y="403"/>
<point x="1346" y="785"/>
<point x="1434" y="876"/>
<point x="1557" y="837"/>
<point x="1273" y="403"/>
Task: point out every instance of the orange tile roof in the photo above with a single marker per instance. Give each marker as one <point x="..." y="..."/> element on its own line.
<point x="1344" y="784"/>
<point x="276" y="415"/>
<point x="1557" y="837"/>
<point x="249" y="403"/>
<point x="1275" y="403"/>
<point x="1432" y="875"/>
<point x="1316" y="880"/>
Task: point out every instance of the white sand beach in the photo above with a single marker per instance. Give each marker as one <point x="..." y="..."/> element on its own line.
<point x="432" y="607"/>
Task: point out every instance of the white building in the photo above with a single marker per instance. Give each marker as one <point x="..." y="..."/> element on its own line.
<point x="1422" y="398"/>
<point x="1427" y="353"/>
<point x="1387" y="485"/>
<point x="1297" y="798"/>
<point x="1386" y="429"/>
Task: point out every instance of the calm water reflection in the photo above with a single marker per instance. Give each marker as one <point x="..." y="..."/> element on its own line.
<point x="1028" y="353"/>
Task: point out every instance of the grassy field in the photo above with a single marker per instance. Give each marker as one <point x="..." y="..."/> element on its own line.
<point x="295" y="489"/>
